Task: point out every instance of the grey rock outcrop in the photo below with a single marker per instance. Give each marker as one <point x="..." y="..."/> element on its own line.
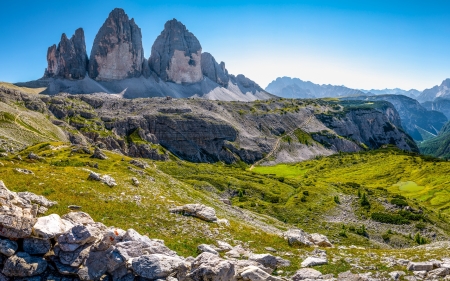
<point x="34" y="246"/>
<point x="8" y="247"/>
<point x="24" y="265"/>
<point x="214" y="71"/>
<point x="16" y="216"/>
<point x="306" y="273"/>
<point x="156" y="266"/>
<point x="197" y="210"/>
<point x="176" y="54"/>
<point x="68" y="60"/>
<point x="117" y="52"/>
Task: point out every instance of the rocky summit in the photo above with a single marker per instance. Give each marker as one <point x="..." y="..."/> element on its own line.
<point x="176" y="54"/>
<point x="68" y="60"/>
<point x="117" y="65"/>
<point x="117" y="52"/>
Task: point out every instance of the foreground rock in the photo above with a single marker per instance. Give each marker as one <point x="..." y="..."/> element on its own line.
<point x="106" y="179"/>
<point x="24" y="265"/>
<point x="298" y="237"/>
<point x="306" y="274"/>
<point x="197" y="210"/>
<point x="17" y="215"/>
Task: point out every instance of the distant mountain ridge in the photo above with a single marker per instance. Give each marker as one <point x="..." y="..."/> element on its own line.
<point x="441" y="91"/>
<point x="413" y="93"/>
<point x="287" y="87"/>
<point x="177" y="67"/>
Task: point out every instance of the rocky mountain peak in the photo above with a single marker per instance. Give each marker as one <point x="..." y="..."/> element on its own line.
<point x="214" y="71"/>
<point x="117" y="52"/>
<point x="176" y="54"/>
<point x="68" y="59"/>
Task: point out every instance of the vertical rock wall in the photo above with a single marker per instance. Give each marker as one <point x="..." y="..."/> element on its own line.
<point x="117" y="52"/>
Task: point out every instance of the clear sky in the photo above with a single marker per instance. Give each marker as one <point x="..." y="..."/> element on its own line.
<point x="359" y="44"/>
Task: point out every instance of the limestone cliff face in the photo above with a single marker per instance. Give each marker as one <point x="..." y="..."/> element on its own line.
<point x="176" y="55"/>
<point x="69" y="59"/>
<point x="370" y="127"/>
<point x="117" y="52"/>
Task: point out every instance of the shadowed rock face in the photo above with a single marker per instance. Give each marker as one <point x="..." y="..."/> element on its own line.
<point x="117" y="52"/>
<point x="68" y="60"/>
<point x="176" y="54"/>
<point x="214" y="71"/>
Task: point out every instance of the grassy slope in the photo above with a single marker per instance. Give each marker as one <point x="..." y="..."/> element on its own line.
<point x="62" y="177"/>
<point x="22" y="89"/>
<point x="21" y="127"/>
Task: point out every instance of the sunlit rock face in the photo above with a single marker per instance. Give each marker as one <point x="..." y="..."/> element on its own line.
<point x="69" y="59"/>
<point x="176" y="55"/>
<point x="117" y="52"/>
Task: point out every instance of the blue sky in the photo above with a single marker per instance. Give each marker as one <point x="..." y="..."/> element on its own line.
<point x="359" y="44"/>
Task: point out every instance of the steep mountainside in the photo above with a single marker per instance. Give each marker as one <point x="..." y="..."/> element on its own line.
<point x="438" y="146"/>
<point x="287" y="87"/>
<point x="419" y="122"/>
<point x="439" y="104"/>
<point x="441" y="91"/>
<point x="22" y="126"/>
<point x="117" y="65"/>
<point x="210" y="131"/>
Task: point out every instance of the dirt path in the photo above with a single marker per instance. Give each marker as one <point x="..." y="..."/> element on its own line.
<point x="275" y="147"/>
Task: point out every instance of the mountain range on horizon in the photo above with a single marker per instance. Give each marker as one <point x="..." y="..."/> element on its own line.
<point x="288" y="87"/>
<point x="177" y="67"/>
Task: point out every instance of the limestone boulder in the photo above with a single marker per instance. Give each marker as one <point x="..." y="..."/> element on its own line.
<point x="420" y="266"/>
<point x="155" y="266"/>
<point x="24" y="265"/>
<point x="254" y="273"/>
<point x="306" y="274"/>
<point x="207" y="248"/>
<point x="313" y="261"/>
<point x="78" y="218"/>
<point x="211" y="267"/>
<point x="51" y="226"/>
<point x="197" y="210"/>
<point x="34" y="246"/>
<point x="17" y="215"/>
<point x="320" y="240"/>
<point x="298" y="237"/>
<point x="8" y="247"/>
<point x="36" y="199"/>
<point x="77" y="236"/>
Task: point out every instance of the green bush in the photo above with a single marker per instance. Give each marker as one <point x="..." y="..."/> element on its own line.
<point x="420" y="226"/>
<point x="364" y="201"/>
<point x="399" y="202"/>
<point x="336" y="199"/>
<point x="419" y="239"/>
<point x="362" y="230"/>
<point x="410" y="216"/>
<point x="389" y="218"/>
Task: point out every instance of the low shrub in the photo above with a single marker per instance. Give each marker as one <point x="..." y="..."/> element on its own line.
<point x="389" y="218"/>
